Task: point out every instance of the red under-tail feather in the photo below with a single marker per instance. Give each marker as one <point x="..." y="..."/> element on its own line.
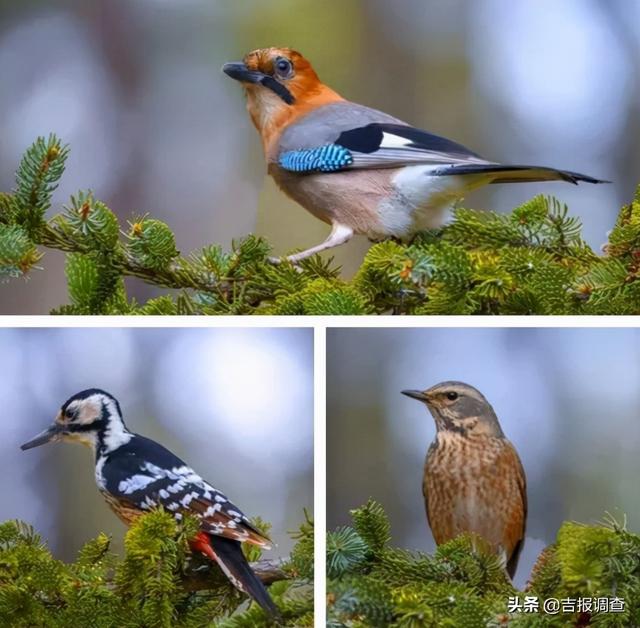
<point x="228" y="554"/>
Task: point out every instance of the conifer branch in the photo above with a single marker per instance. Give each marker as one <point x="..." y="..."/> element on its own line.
<point x="269" y="571"/>
<point x="158" y="581"/>
<point x="463" y="583"/>
<point x="531" y="261"/>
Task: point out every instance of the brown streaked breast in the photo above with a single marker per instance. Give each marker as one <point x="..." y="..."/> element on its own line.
<point x="475" y="484"/>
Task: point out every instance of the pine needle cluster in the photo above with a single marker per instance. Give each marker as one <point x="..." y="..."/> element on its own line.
<point x="157" y="584"/>
<point x="463" y="585"/>
<point x="531" y="261"/>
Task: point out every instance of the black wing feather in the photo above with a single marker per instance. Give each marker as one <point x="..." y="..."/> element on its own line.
<point x="231" y="558"/>
<point x="518" y="174"/>
<point x="368" y="139"/>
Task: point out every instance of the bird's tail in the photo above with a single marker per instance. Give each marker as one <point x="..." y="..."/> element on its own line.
<point x="228" y="554"/>
<point x="515" y="174"/>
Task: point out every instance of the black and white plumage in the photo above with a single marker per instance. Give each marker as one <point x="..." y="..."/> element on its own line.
<point x="135" y="475"/>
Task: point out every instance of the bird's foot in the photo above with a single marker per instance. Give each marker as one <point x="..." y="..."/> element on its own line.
<point x="276" y="261"/>
<point x="391" y="238"/>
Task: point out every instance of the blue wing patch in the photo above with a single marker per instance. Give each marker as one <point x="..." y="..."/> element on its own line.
<point x="328" y="158"/>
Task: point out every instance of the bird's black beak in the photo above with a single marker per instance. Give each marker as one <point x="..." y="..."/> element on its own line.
<point x="240" y="72"/>
<point x="51" y="434"/>
<point x="416" y="394"/>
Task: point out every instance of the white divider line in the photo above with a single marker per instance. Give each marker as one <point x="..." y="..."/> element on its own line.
<point x="320" y="473"/>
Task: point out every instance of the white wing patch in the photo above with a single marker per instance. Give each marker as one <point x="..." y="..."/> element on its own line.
<point x="135" y="483"/>
<point x="148" y="503"/>
<point x="394" y="141"/>
<point x="183" y="476"/>
<point x="188" y="498"/>
<point x="209" y="512"/>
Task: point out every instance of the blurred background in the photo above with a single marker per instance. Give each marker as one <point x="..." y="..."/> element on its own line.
<point x="235" y="404"/>
<point x="568" y="399"/>
<point x="135" y="88"/>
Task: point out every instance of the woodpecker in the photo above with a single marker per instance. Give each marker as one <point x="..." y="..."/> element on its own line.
<point x="360" y="170"/>
<point x="135" y="475"/>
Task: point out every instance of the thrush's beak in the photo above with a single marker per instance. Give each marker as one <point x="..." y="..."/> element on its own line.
<point x="51" y="434"/>
<point x="240" y="72"/>
<point x="416" y="394"/>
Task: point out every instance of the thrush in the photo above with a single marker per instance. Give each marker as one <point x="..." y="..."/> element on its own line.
<point x="473" y="479"/>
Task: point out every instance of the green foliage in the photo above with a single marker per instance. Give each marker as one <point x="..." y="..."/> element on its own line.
<point x="151" y="242"/>
<point x="371" y="523"/>
<point x="36" y="179"/>
<point x="302" y="556"/>
<point x="532" y="261"/>
<point x="151" y="586"/>
<point x="346" y="551"/>
<point x="18" y="255"/>
<point x="464" y="585"/>
<point x="94" y="288"/>
<point x="94" y="220"/>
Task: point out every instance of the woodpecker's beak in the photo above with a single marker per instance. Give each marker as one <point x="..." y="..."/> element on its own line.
<point x="416" y="394"/>
<point x="51" y="434"/>
<point x="240" y="72"/>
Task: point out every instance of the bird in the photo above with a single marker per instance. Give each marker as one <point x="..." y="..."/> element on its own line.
<point x="135" y="475"/>
<point x="473" y="480"/>
<point x="360" y="170"/>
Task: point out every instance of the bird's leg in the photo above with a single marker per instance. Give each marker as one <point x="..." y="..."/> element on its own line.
<point x="339" y="235"/>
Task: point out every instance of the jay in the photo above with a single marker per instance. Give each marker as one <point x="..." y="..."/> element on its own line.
<point x="360" y="170"/>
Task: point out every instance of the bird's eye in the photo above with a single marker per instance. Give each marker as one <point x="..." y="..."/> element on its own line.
<point x="452" y="396"/>
<point x="283" y="67"/>
<point x="69" y="414"/>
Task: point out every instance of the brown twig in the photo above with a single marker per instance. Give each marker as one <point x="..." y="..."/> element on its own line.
<point x="203" y="574"/>
<point x="175" y="276"/>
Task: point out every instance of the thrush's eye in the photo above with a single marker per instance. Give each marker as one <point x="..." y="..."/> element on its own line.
<point x="452" y="396"/>
<point x="283" y="67"/>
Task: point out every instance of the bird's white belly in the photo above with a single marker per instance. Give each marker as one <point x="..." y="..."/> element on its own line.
<point x="422" y="199"/>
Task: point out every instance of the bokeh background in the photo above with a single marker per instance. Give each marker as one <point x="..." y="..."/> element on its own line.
<point x="568" y="399"/>
<point x="154" y="126"/>
<point x="235" y="404"/>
